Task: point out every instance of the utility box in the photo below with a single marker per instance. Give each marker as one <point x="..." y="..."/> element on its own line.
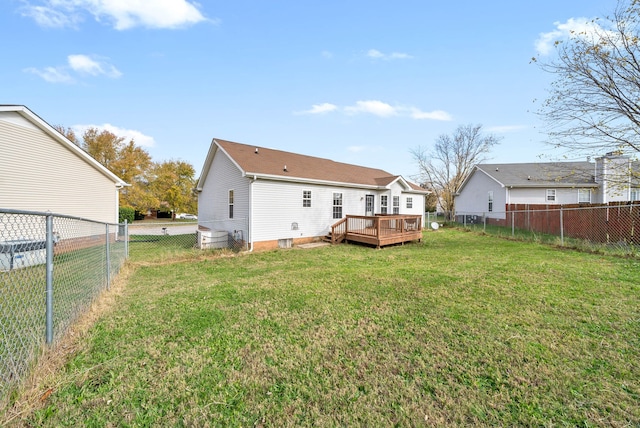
<point x="21" y="253"/>
<point x="212" y="239"/>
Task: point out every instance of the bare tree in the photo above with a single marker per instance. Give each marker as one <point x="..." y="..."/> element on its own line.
<point x="443" y="169"/>
<point x="594" y="103"/>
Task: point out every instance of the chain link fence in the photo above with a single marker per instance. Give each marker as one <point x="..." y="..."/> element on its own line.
<point x="152" y="240"/>
<point x="52" y="267"/>
<point x="614" y="227"/>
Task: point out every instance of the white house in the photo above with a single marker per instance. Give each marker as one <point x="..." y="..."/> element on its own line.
<point x="268" y="197"/>
<point x="491" y="188"/>
<point x="41" y="170"/>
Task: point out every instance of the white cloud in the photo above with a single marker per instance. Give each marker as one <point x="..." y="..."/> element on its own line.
<point x="327" y="54"/>
<point x="84" y="64"/>
<point x="432" y="115"/>
<point x="79" y="64"/>
<point x="51" y="18"/>
<point x="376" y="54"/>
<point x="52" y="74"/>
<point x="375" y="107"/>
<point x="320" y="109"/>
<point x="380" y="109"/>
<point x="128" y="134"/>
<point x="124" y="14"/>
<point x="583" y="28"/>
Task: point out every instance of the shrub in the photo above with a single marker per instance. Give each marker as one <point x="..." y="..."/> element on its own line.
<point x="126" y="213"/>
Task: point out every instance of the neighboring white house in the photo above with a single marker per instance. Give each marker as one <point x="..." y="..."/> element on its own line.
<point x="490" y="188"/>
<point x="41" y="170"/>
<point x="266" y="197"/>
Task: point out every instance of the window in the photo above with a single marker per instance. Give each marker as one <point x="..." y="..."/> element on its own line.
<point x="490" y="207"/>
<point x="396" y="204"/>
<point x="635" y="194"/>
<point x="551" y="195"/>
<point x="306" y="198"/>
<point x="409" y="202"/>
<point x="384" y="202"/>
<point x="584" y="196"/>
<point x="337" y="205"/>
<point x="230" y="203"/>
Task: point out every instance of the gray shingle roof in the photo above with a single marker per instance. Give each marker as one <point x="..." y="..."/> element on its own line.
<point x="558" y="174"/>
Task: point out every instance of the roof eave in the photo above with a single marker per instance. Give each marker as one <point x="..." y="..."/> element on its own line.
<point x="293" y="179"/>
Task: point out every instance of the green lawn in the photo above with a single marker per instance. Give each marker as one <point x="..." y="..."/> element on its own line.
<point x="461" y="329"/>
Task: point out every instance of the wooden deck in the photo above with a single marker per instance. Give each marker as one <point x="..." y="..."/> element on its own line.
<point x="378" y="230"/>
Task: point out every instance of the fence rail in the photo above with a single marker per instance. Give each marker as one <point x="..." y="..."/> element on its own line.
<point x="614" y="226"/>
<point x="52" y="267"/>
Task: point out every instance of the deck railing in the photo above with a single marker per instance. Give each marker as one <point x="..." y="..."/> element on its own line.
<point x="378" y="230"/>
<point x="339" y="231"/>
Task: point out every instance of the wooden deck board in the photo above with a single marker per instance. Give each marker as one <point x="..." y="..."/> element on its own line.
<point x="395" y="229"/>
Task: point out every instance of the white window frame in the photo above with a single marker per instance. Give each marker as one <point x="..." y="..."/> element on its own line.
<point x="337" y="205"/>
<point x="384" y="204"/>
<point x="231" y="202"/>
<point x="490" y="201"/>
<point x="550" y="195"/>
<point x="581" y="196"/>
<point x="396" y="204"/>
<point x="634" y="194"/>
<point x="409" y="202"/>
<point x="306" y="198"/>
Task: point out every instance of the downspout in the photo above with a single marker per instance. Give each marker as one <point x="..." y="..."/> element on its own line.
<point x="250" y="222"/>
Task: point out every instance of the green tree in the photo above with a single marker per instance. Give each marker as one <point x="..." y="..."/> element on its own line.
<point x="103" y="146"/>
<point x="444" y="168"/>
<point x="133" y="165"/>
<point x="126" y="160"/>
<point x="172" y="183"/>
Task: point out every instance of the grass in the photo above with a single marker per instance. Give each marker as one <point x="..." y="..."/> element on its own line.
<point x="78" y="278"/>
<point x="461" y="329"/>
<point x="625" y="249"/>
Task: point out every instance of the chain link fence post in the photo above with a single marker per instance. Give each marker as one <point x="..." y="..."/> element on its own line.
<point x="108" y="258"/>
<point x="49" y="279"/>
<point x="126" y="238"/>
<point x="561" y="227"/>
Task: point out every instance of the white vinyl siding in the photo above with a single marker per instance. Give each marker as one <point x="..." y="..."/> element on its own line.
<point x="213" y="201"/>
<point x="38" y="173"/>
<point x="473" y="198"/>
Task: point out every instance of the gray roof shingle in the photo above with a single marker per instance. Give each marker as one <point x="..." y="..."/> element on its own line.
<point x="559" y="174"/>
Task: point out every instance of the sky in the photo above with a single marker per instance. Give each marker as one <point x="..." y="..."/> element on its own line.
<point x="355" y="81"/>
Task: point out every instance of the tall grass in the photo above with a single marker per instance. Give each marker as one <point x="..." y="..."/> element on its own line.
<point x="461" y="329"/>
